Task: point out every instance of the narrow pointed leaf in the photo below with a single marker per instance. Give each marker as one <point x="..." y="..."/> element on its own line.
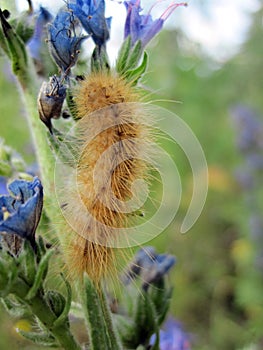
<point x="135" y="74"/>
<point x="39" y="338"/>
<point x="123" y="55"/>
<point x="17" y="50"/>
<point x="134" y="56"/>
<point x="40" y="275"/>
<point x="27" y="258"/>
<point x="64" y="315"/>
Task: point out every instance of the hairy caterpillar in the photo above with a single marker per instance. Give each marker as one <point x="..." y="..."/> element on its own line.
<point x="113" y="150"/>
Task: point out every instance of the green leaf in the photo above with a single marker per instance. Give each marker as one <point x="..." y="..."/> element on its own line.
<point x="17" y="50"/>
<point x="99" y="59"/>
<point x="133" y="75"/>
<point x="39" y="338"/>
<point x="5" y="151"/>
<point x="56" y="302"/>
<point x="41" y="247"/>
<point x="40" y="275"/>
<point x="18" y="163"/>
<point x="27" y="258"/>
<point x="144" y="324"/>
<point x="126" y="328"/>
<point x="3" y="278"/>
<point x="145" y="320"/>
<point x="5" y="168"/>
<point x="15" y="307"/>
<point x="3" y="44"/>
<point x="134" y="56"/>
<point x="9" y="272"/>
<point x="161" y="297"/>
<point x="123" y="55"/>
<point x="63" y="316"/>
<point x="23" y="26"/>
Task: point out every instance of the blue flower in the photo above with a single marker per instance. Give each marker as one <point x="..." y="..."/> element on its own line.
<point x="143" y="27"/>
<point x="64" y="43"/>
<point x="150" y="266"/>
<point x="91" y="14"/>
<point x="172" y="337"/>
<point x="249" y="141"/>
<point x="35" y="43"/>
<point x="249" y="127"/>
<point x="20" y="212"/>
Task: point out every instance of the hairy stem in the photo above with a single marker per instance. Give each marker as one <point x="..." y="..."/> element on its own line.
<point x="115" y="341"/>
<point x="61" y="333"/>
<point x="102" y="334"/>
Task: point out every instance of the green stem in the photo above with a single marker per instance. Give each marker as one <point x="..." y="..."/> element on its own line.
<point x="42" y="311"/>
<point x="93" y="316"/>
<point x="65" y="338"/>
<point x="103" y="335"/>
<point x="44" y="154"/>
<point x="61" y="333"/>
<point x="115" y="341"/>
<point x="24" y="69"/>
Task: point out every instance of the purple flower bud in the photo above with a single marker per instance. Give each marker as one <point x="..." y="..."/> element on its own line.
<point x="64" y="43"/>
<point x="255" y="160"/>
<point x="245" y="178"/>
<point x="20" y="212"/>
<point x="35" y="43"/>
<point x="173" y="337"/>
<point x="143" y="27"/>
<point x="150" y="266"/>
<point x="249" y="127"/>
<point x="91" y="14"/>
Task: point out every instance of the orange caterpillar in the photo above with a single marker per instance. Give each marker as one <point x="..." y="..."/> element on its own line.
<point x="114" y="145"/>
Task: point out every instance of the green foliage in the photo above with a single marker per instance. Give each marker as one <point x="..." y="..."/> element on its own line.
<point x="135" y="74"/>
<point x="16" y="50"/>
<point x="144" y="314"/>
<point x="129" y="57"/>
<point x="218" y="290"/>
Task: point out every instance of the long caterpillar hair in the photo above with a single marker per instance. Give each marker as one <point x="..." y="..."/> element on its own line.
<point x="110" y="148"/>
<point x="113" y="150"/>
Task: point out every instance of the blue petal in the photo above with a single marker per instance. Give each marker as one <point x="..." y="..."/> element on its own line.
<point x="25" y="210"/>
<point x="140" y="27"/>
<point x="92" y="17"/>
<point x="63" y="42"/>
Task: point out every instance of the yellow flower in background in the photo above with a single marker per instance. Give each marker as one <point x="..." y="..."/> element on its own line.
<point x="219" y="179"/>
<point x="242" y="251"/>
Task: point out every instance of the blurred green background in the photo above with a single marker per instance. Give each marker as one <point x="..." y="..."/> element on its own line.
<point x="218" y="294"/>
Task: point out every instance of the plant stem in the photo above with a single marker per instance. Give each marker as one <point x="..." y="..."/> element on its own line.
<point x="93" y="316"/>
<point x="46" y="163"/>
<point x="115" y="341"/>
<point x="61" y="333"/>
<point x="45" y="157"/>
<point x="41" y="310"/>
<point x="44" y="154"/>
<point x="103" y="335"/>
